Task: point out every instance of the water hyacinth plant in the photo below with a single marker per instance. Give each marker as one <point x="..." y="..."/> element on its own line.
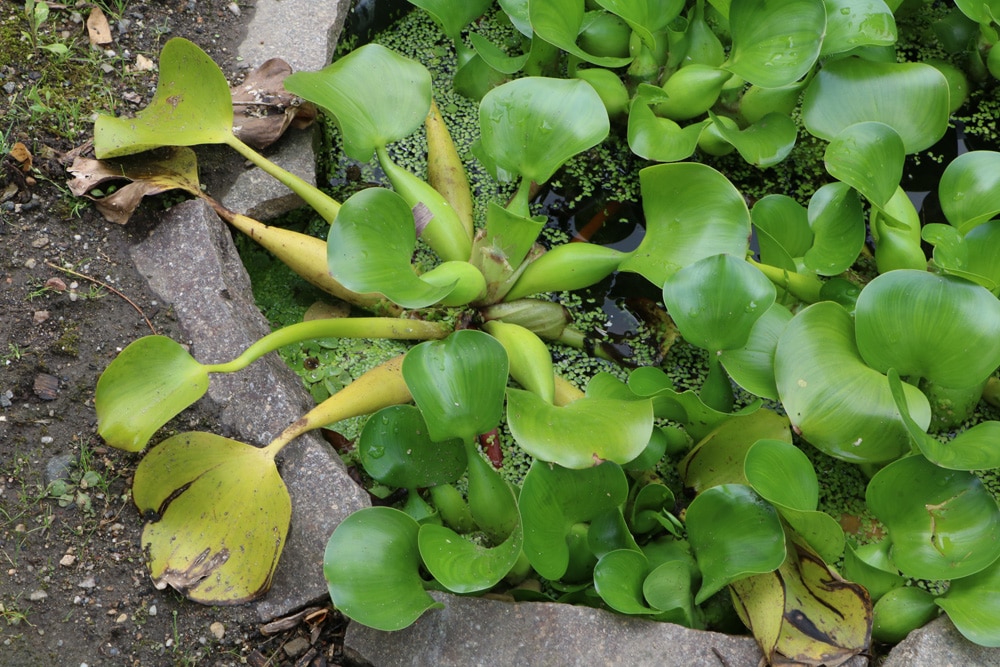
<point x="827" y="310"/>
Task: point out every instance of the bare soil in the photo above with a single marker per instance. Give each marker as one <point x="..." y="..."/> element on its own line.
<point x="73" y="586"/>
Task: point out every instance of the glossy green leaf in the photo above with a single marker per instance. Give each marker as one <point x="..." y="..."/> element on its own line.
<point x="668" y="589"/>
<point x="836" y="401"/>
<point x="869" y="565"/>
<point x="149" y="383"/>
<point x="619" y="577"/>
<point x="530" y="359"/>
<point x="686" y="407"/>
<point x="980" y="11"/>
<point x="782" y="227"/>
<point x="911" y="98"/>
<point x="582" y="434"/>
<point x="970" y="189"/>
<point x="901" y="611"/>
<point x="715" y="301"/>
<point x="462" y="566"/>
<point x="896" y="230"/>
<point x="395" y="448"/>
<point x="495" y="57"/>
<point x="649" y="503"/>
<point x="854" y="23"/>
<point x="929" y="326"/>
<point x="458" y="383"/>
<point x="559" y="22"/>
<point x="775" y="42"/>
<point x="838" y="227"/>
<point x="645" y="17"/>
<point x="369" y="116"/>
<point x="943" y="524"/>
<point x="531" y="126"/>
<point x="972" y="449"/>
<point x="734" y="533"/>
<point x="372" y="566"/>
<point x="973" y="605"/>
<point x="692" y="212"/>
<point x="783" y="475"/>
<point x="719" y="458"/>
<point x="191" y="106"/>
<point x="453" y="15"/>
<point x="951" y="253"/>
<point x="217" y="515"/>
<point x="609" y="532"/>
<point x="869" y="157"/>
<point x="752" y="366"/>
<point x="553" y="499"/>
<point x="766" y="142"/>
<point x="655" y="138"/>
<point x="370" y="246"/>
<point x="983" y="244"/>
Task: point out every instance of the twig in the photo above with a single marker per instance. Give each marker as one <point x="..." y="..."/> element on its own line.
<point x="107" y="287"/>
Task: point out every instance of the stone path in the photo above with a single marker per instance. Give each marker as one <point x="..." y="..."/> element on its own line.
<point x="210" y="293"/>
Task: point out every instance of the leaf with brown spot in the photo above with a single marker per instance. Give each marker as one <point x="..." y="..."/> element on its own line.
<point x="219" y="513"/>
<point x="174" y="168"/>
<point x="263" y="109"/>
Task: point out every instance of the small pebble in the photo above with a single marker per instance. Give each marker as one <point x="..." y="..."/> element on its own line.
<point x="87" y="583"/>
<point x="40" y="242"/>
<point x="218" y="629"/>
<point x="68" y="560"/>
<point x="34" y="596"/>
<point x="31" y="263"/>
<point x="40" y="316"/>
<point x="152" y="610"/>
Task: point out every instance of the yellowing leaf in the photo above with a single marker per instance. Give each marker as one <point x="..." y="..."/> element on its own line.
<point x="217" y="513"/>
<point x="804" y="613"/>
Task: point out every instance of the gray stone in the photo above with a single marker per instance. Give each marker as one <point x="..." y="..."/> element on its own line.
<point x="477" y="631"/>
<point x="59" y="467"/>
<point x="940" y="644"/>
<point x="305" y="40"/>
<point x="191" y="263"/>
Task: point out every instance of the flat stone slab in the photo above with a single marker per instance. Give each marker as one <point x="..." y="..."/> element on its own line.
<point x="191" y="263"/>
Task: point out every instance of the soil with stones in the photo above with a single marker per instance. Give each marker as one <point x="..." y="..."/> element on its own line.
<point x="73" y="586"/>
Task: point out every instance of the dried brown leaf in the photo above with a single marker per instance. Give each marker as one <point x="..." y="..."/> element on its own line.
<point x="98" y="28"/>
<point x="263" y="109"/>
<point x="21" y="153"/>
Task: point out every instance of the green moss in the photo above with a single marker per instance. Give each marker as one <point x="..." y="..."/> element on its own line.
<point x="68" y="343"/>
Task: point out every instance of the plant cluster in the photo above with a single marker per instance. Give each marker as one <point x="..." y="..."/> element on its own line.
<point x="863" y="369"/>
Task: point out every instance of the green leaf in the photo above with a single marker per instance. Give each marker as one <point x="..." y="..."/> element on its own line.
<point x="370" y="246"/>
<point x="369" y="116"/>
<point x="854" y="23"/>
<point x="453" y="15"/>
<point x="943" y="524"/>
<point x="655" y="138"/>
<point x="395" y="448"/>
<point x="983" y="243"/>
<point x="458" y="384"/>
<point x="869" y="157"/>
<point x="900" y="611"/>
<point x="969" y="189"/>
<point x="973" y="605"/>
<point x="372" y="566"/>
<point x="462" y="566"/>
<point x="609" y="532"/>
<point x="783" y="475"/>
<point x="532" y="126"/>
<point x="775" y="42"/>
<point x="752" y="366"/>
<point x="668" y="589"/>
<point x="980" y="11"/>
<point x="649" y="503"/>
<point x="911" y="98"/>
<point x="783" y="232"/>
<point x="582" y="434"/>
<point x="149" y="383"/>
<point x="618" y="579"/>
<point x="559" y="22"/>
<point x="973" y="449"/>
<point x="217" y="514"/>
<point x="553" y="499"/>
<point x="836" y="401"/>
<point x="716" y="301"/>
<point x="191" y="106"/>
<point x="719" y="458"/>
<point x="692" y="212"/>
<point x="734" y="533"/>
<point x="838" y="227"/>
<point x="869" y="565"/>
<point x="765" y="142"/>
<point x="929" y="326"/>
